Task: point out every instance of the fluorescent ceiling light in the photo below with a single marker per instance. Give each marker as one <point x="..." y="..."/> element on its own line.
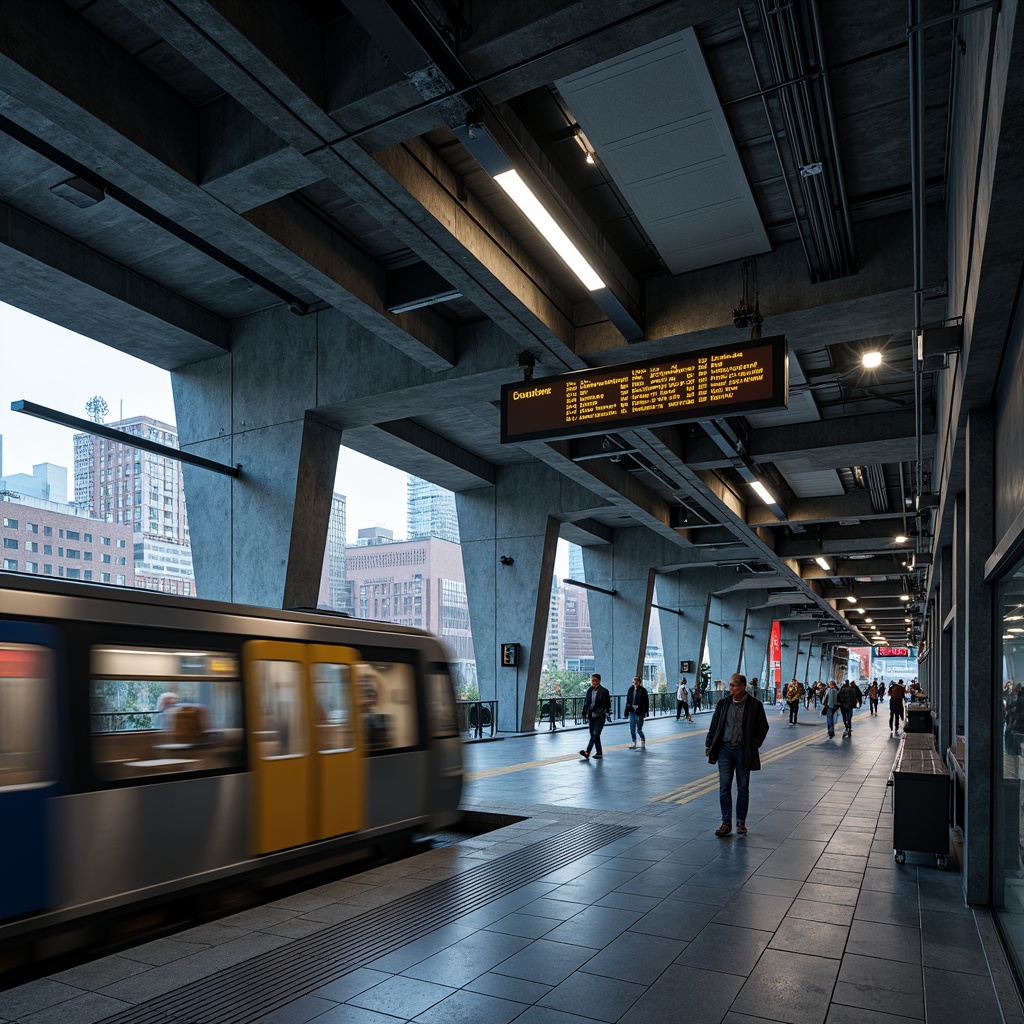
<point x="904" y="597"/>
<point x="851" y="599"/>
<point x="869" y="620"/>
<point x="900" y="539"/>
<point x="520" y="194"/>
<point x="763" y="493"/>
<point x="871" y="359"/>
<point x="823" y="563"/>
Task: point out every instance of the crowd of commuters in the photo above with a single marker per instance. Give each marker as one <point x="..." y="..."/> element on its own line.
<point x="739" y="725"/>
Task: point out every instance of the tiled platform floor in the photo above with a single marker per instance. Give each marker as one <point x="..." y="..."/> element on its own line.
<point x="805" y="920"/>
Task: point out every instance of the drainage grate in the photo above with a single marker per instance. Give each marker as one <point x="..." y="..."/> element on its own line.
<point x="265" y="983"/>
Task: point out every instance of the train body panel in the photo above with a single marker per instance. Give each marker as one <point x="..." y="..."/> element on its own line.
<point x="113" y="841"/>
<point x="169" y="744"/>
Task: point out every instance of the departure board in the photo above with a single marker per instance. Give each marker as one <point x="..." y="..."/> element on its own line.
<point x="698" y="385"/>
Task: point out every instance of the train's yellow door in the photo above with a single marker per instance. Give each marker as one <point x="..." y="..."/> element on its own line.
<point x="337" y="742"/>
<point x="280" y="754"/>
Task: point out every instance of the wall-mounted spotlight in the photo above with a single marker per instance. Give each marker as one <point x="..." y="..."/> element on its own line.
<point x="507" y="560"/>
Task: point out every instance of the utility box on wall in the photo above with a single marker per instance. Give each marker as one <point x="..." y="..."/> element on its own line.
<point x="686" y="666"/>
<point x="509" y="655"/>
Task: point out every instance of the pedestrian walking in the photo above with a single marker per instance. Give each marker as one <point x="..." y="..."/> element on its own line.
<point x="794" y="691"/>
<point x="638" y="706"/>
<point x="738" y="728"/>
<point x="596" y="708"/>
<point x="829" y="706"/>
<point x="697" y="692"/>
<point x="849" y="698"/>
<point x="683" y="700"/>
<point x="897" y="697"/>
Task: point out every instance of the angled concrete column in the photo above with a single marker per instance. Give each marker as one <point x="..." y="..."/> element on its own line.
<point x="791" y="646"/>
<point x="941" y="660"/>
<point x="726" y="641"/>
<point x="981" y="667"/>
<point x="509" y="601"/>
<point x="619" y="623"/>
<point x="258" y="539"/>
<point x="957" y="676"/>
<point x="757" y="636"/>
<point x="683" y="635"/>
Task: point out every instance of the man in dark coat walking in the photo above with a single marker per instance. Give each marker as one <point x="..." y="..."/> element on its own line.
<point x="596" y="708"/>
<point x="738" y="728"/>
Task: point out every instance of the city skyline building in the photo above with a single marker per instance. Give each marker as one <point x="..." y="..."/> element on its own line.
<point x="337" y="592"/>
<point x="125" y="485"/>
<point x="430" y="511"/>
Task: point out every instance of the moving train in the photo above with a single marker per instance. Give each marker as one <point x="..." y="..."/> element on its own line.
<point x="148" y="748"/>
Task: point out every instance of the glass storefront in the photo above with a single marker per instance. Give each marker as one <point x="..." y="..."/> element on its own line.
<point x="1009" y="853"/>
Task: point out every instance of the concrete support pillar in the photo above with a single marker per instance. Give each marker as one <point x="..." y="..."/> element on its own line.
<point x="258" y="539"/>
<point x="959" y="624"/>
<point x="981" y="673"/>
<point x="791" y="644"/>
<point x="941" y="660"/>
<point x="509" y="600"/>
<point x="757" y="635"/>
<point x="619" y="622"/>
<point x="725" y="641"/>
<point x="683" y="635"/>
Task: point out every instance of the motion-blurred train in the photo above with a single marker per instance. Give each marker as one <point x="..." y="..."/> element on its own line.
<point x="148" y="747"/>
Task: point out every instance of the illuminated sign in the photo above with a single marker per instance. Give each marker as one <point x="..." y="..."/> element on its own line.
<point x="698" y="385"/>
<point x="892" y="652"/>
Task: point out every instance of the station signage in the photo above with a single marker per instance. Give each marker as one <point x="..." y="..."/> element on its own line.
<point x="892" y="652"/>
<point x="698" y="385"/>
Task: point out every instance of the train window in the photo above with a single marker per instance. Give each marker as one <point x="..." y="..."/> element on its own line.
<point x="27" y="701"/>
<point x="158" y="712"/>
<point x="387" y="701"/>
<point x="332" y="700"/>
<point x="441" y="707"/>
<point x="280" y="729"/>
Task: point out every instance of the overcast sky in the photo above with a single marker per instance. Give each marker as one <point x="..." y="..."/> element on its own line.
<point x="48" y="365"/>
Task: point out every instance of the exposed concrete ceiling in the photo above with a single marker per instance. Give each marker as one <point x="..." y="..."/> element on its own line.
<point x="249" y="155"/>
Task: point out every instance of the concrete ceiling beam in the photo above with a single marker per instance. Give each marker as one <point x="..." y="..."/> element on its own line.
<point x="55" y="277"/>
<point x="812" y="511"/>
<point x="415" y="436"/>
<point x="826" y="444"/>
<point x="405" y="188"/>
<point x="335" y="270"/>
<point x="514" y="47"/>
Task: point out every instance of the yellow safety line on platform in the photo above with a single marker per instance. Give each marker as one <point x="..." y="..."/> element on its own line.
<point x="489" y="773"/>
<point x="709" y="783"/>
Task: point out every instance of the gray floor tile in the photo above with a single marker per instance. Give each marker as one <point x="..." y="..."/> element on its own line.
<point x="822" y="893"/>
<point x="754" y="910"/>
<point x="559" y="910"/>
<point x="676" y="919"/>
<point x="952" y="998"/>
<point x="876" y="985"/>
<point x="814" y="910"/>
<point x="839" y="1014"/>
<point x="594" y="927"/>
<point x="951" y="943"/>
<point x="528" y="925"/>
<point x="546" y="962"/>
<point x="471" y="1008"/>
<point x="589" y="995"/>
<point x="413" y="952"/>
<point x="635" y="957"/>
<point x="791" y="987"/>
<point x="798" y="935"/>
<point x="351" y="984"/>
<point x="100" y="973"/>
<point x="706" y="996"/>
<point x="36" y="995"/>
<point x="771" y="886"/>
<point x="722" y="947"/>
<point x="886" y="908"/>
<point x="83" y="1009"/>
<point x="898" y="943"/>
<point x="467" y="959"/>
<point x="163" y="951"/>
<point x="505" y="987"/>
<point x="629" y="901"/>
<point x="401" y="997"/>
<point x="354" y="1015"/>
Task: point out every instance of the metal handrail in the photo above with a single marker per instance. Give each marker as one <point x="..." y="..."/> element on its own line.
<point x="477" y="717"/>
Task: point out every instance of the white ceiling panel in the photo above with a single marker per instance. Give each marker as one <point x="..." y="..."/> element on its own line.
<point x="654" y="119"/>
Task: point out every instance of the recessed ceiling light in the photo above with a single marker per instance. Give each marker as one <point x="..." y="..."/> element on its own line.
<point x="853" y="600"/>
<point x="904" y="597"/>
<point x="901" y="539"/>
<point x="823" y="563"/>
<point x="871" y="359"/>
<point x="869" y="620"/>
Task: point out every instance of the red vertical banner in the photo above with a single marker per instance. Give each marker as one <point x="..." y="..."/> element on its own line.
<point x="776" y="658"/>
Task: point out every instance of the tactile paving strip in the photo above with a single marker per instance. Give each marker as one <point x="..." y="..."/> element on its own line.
<point x="258" y="986"/>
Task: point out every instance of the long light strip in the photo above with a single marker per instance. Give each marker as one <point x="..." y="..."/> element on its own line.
<point x="520" y="194"/>
<point x="763" y="493"/>
<point x="823" y="563"/>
